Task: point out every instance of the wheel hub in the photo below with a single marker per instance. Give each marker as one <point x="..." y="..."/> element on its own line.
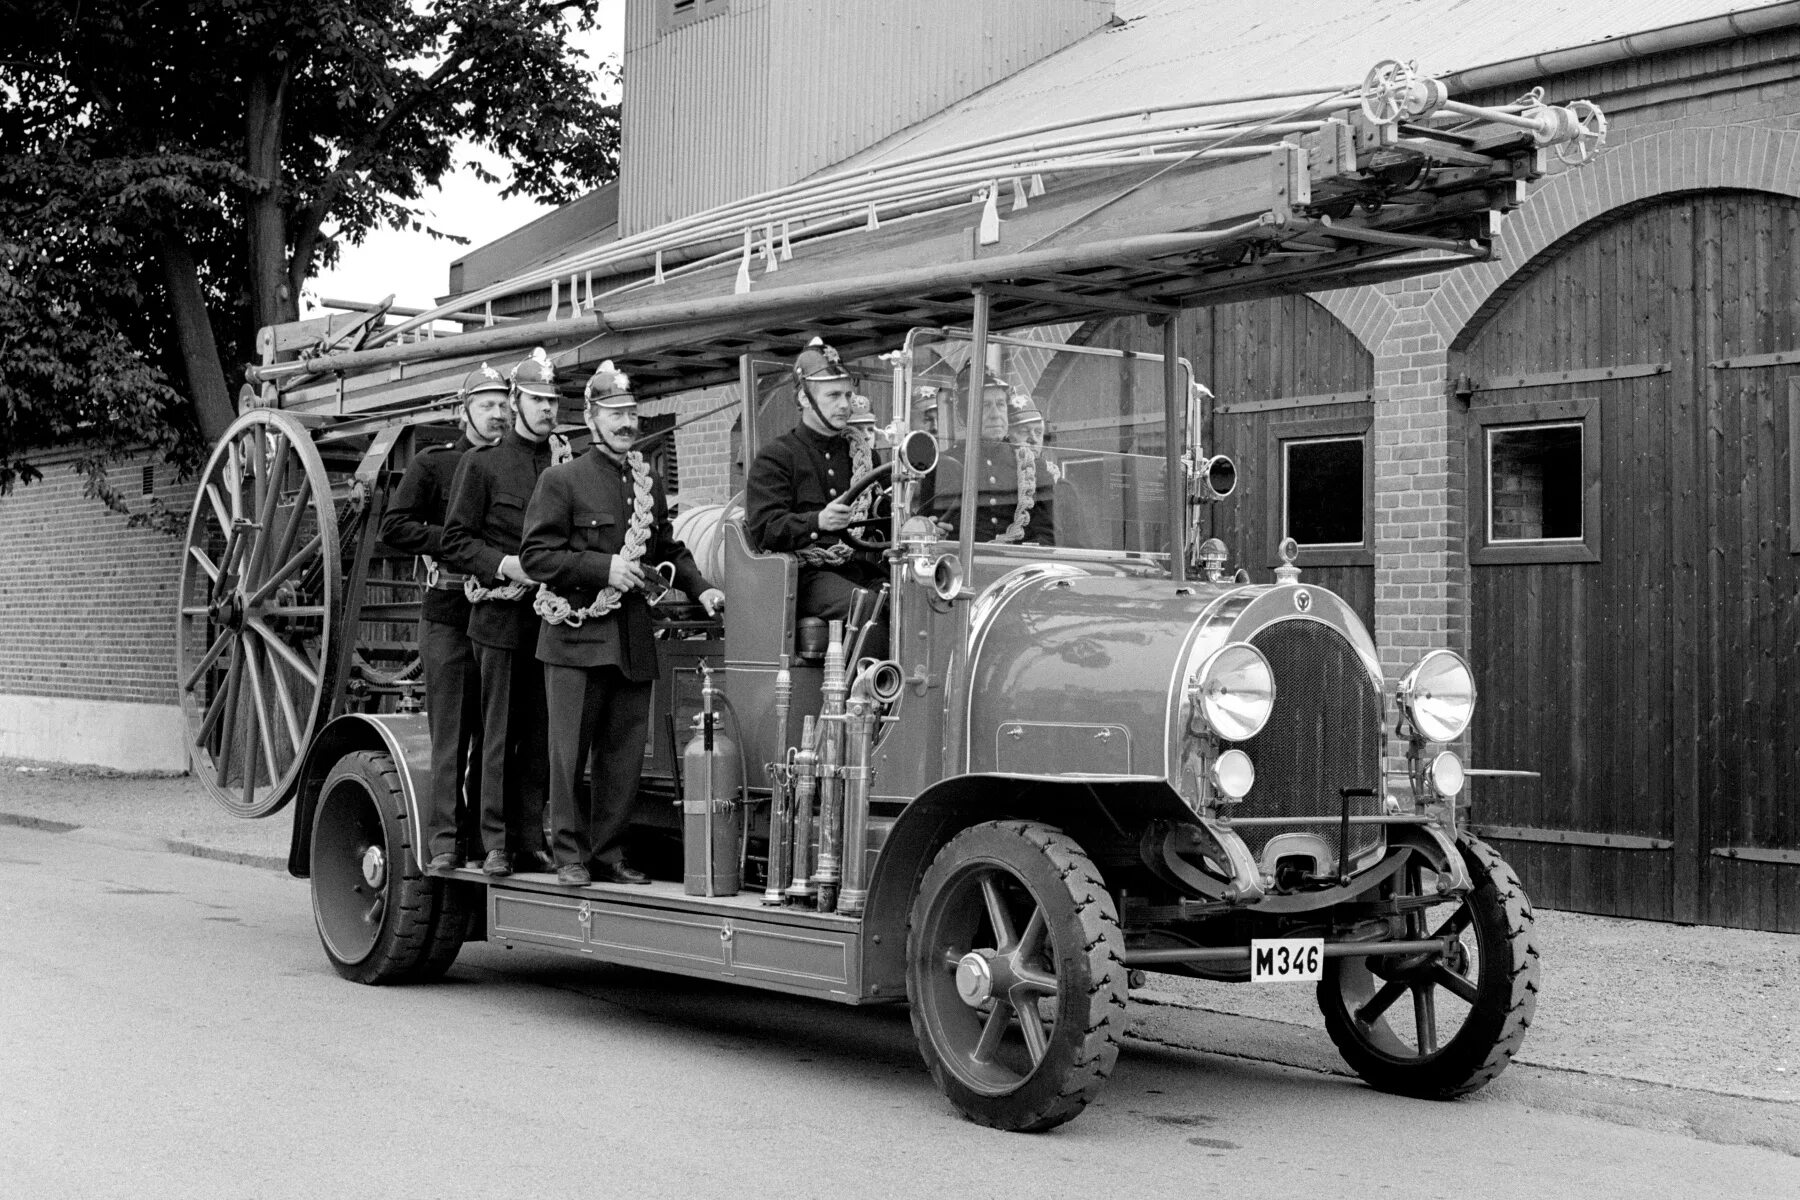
<point x="374" y="867"/>
<point x="975" y="978"/>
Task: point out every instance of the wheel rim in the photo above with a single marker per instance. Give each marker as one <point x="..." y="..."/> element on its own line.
<point x="259" y="595"/>
<point x="992" y="992"/>
<point x="1409" y="1008"/>
<point x="351" y="866"/>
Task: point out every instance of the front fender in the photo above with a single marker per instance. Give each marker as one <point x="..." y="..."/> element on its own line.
<point x="404" y="737"/>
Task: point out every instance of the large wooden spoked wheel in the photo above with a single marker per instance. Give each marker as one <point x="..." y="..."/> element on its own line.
<point x="260" y="596"/>
<point x="1016" y="975"/>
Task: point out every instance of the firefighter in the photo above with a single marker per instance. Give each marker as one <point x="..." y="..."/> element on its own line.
<point x="596" y="529"/>
<point x="482" y="533"/>
<point x="415" y="525"/>
<point x="793" y="495"/>
<point x="1014" y="500"/>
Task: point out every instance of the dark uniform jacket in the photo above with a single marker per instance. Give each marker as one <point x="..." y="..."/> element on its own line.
<point x="996" y="496"/>
<point x="792" y="478"/>
<point x="576" y="523"/>
<point x="485" y="523"/>
<point x="414" y="523"/>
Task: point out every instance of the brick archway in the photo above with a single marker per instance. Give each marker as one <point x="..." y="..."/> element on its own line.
<point x="1747" y="157"/>
<point x="1744" y="157"/>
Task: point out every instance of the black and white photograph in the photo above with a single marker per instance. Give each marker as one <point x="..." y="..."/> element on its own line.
<point x="900" y="598"/>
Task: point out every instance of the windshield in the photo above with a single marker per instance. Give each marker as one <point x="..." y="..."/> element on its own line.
<point x="1071" y="442"/>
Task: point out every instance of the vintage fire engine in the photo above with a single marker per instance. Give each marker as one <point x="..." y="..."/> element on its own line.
<point x="1093" y="750"/>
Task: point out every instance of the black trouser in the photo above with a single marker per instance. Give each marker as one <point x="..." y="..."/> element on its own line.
<point x="453" y="709"/>
<point x="600" y="720"/>
<point x="512" y="750"/>
<point x="828" y="595"/>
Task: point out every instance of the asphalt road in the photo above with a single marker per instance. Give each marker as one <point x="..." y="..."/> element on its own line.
<point x="169" y="1027"/>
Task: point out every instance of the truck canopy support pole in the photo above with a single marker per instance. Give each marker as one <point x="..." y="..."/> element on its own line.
<point x="1175" y="486"/>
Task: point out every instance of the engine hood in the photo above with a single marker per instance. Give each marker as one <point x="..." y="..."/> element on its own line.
<point x="1079" y="675"/>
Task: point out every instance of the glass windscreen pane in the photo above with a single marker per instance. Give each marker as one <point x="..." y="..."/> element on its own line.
<point x="1070" y="450"/>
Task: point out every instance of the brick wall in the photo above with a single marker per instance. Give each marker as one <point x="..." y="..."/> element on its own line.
<point x="86" y="604"/>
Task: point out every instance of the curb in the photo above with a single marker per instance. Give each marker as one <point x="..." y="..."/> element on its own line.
<point x="133" y="841"/>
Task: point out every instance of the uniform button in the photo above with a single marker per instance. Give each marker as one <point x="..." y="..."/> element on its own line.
<point x="991" y="479"/>
<point x="829" y="471"/>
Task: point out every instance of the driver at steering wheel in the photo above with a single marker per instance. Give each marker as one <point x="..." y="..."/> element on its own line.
<point x="793" y="496"/>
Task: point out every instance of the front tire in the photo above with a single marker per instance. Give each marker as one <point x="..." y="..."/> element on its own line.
<point x="380" y="919"/>
<point x="1016" y="975"/>
<point x="1468" y="1011"/>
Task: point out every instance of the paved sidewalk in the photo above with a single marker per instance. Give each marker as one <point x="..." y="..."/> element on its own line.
<point x="1701" y="1010"/>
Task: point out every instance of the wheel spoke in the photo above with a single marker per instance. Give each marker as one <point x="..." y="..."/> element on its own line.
<point x="260" y="708"/>
<point x="220" y="512"/>
<point x="1456" y="922"/>
<point x="993" y="1033"/>
<point x="214" y="708"/>
<point x="206" y="564"/>
<point x="1035" y="982"/>
<point x="1380" y="1002"/>
<point x="1425" y="1017"/>
<point x="208" y="659"/>
<point x="234" y="477"/>
<point x="288" y="654"/>
<point x="306" y="553"/>
<point x="1031" y="1024"/>
<point x="228" y="731"/>
<point x="285" y="543"/>
<point x="269" y="481"/>
<point x="1032" y="940"/>
<point x="1459" y="986"/>
<point x="1004" y="939"/>
<point x="286" y="699"/>
<point x="296" y="611"/>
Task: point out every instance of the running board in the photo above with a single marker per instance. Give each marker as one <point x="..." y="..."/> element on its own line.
<point x="662" y="928"/>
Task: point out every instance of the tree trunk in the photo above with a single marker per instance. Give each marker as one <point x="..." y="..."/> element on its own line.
<point x="272" y="299"/>
<point x="194" y="332"/>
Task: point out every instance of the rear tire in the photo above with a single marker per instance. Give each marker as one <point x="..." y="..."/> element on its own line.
<point x="380" y="919"/>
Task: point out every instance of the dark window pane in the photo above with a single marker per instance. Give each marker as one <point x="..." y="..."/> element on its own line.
<point x="1325" y="492"/>
<point x="1534" y="483"/>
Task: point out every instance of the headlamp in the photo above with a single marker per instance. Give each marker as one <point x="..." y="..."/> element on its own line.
<point x="1233" y="775"/>
<point x="1234" y="691"/>
<point x="1447" y="774"/>
<point x="1438" y="696"/>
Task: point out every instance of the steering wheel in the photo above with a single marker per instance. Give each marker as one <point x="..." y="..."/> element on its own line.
<point x="881" y="473"/>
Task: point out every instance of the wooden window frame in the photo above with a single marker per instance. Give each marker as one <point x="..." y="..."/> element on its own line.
<point x="1275" y="469"/>
<point x="1586" y="549"/>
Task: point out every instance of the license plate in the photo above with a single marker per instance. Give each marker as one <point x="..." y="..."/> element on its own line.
<point x="1286" y="960"/>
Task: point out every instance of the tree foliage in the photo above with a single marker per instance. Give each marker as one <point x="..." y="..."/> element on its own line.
<point x="172" y="173"/>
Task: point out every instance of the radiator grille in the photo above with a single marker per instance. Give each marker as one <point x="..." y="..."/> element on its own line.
<point x="1324" y="735"/>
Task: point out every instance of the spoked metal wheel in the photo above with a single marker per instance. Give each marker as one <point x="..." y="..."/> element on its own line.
<point x="1015" y="971"/>
<point x="380" y="918"/>
<point x="260" y="593"/>
<point x="1438" y="1026"/>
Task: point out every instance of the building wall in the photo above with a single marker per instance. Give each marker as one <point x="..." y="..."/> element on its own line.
<point x="87" y="629"/>
<point x="1705" y="121"/>
<point x="759" y="93"/>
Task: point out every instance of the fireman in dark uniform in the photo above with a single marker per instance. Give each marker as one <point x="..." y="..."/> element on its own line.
<point x="482" y="533"/>
<point x="596" y="529"/>
<point x="792" y="495"/>
<point x="1014" y="490"/>
<point x="415" y="524"/>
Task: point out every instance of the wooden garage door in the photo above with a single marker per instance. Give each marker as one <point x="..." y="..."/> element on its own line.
<point x="1634" y="567"/>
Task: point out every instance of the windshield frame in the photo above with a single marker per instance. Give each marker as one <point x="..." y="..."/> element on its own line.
<point x="1177" y="382"/>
